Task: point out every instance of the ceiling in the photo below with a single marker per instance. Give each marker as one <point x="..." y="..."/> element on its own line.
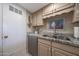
<point x="32" y="7"/>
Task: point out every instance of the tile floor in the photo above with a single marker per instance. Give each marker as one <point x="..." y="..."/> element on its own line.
<point x="21" y="53"/>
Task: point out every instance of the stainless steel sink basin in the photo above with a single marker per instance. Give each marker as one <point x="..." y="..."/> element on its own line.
<point x="61" y="37"/>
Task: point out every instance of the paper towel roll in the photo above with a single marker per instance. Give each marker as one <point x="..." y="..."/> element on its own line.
<point x="76" y="32"/>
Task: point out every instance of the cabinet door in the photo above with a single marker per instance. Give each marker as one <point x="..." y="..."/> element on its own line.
<point x="39" y="18"/>
<point x="43" y="49"/>
<point x="48" y="9"/>
<point x="59" y="52"/>
<point x="61" y="6"/>
<point x="76" y="13"/>
<point x="34" y="21"/>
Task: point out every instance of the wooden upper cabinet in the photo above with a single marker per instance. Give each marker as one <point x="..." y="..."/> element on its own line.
<point x="61" y="6"/>
<point x="34" y="19"/>
<point x="39" y="18"/>
<point x="76" y="13"/>
<point x="48" y="9"/>
<point x="56" y="9"/>
<point x="58" y="6"/>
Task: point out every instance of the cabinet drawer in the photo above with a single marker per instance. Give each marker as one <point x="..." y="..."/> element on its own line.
<point x="44" y="41"/>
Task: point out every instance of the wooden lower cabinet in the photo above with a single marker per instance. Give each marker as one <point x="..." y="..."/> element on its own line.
<point x="56" y="49"/>
<point x="43" y="50"/>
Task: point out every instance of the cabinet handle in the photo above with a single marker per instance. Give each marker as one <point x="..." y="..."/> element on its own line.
<point x="5" y="37"/>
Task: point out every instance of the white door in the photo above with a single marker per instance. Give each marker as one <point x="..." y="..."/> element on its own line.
<point x="14" y="31"/>
<point x="1" y="29"/>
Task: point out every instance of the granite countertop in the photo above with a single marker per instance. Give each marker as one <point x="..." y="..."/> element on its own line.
<point x="74" y="42"/>
<point x="42" y="37"/>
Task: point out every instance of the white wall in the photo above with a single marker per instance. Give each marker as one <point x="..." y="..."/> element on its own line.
<point x="26" y="17"/>
<point x="0" y="29"/>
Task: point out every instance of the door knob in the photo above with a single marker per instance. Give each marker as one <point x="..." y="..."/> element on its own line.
<point x="5" y="37"/>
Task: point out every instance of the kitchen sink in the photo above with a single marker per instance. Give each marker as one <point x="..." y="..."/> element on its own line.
<point x="63" y="38"/>
<point x="59" y="37"/>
